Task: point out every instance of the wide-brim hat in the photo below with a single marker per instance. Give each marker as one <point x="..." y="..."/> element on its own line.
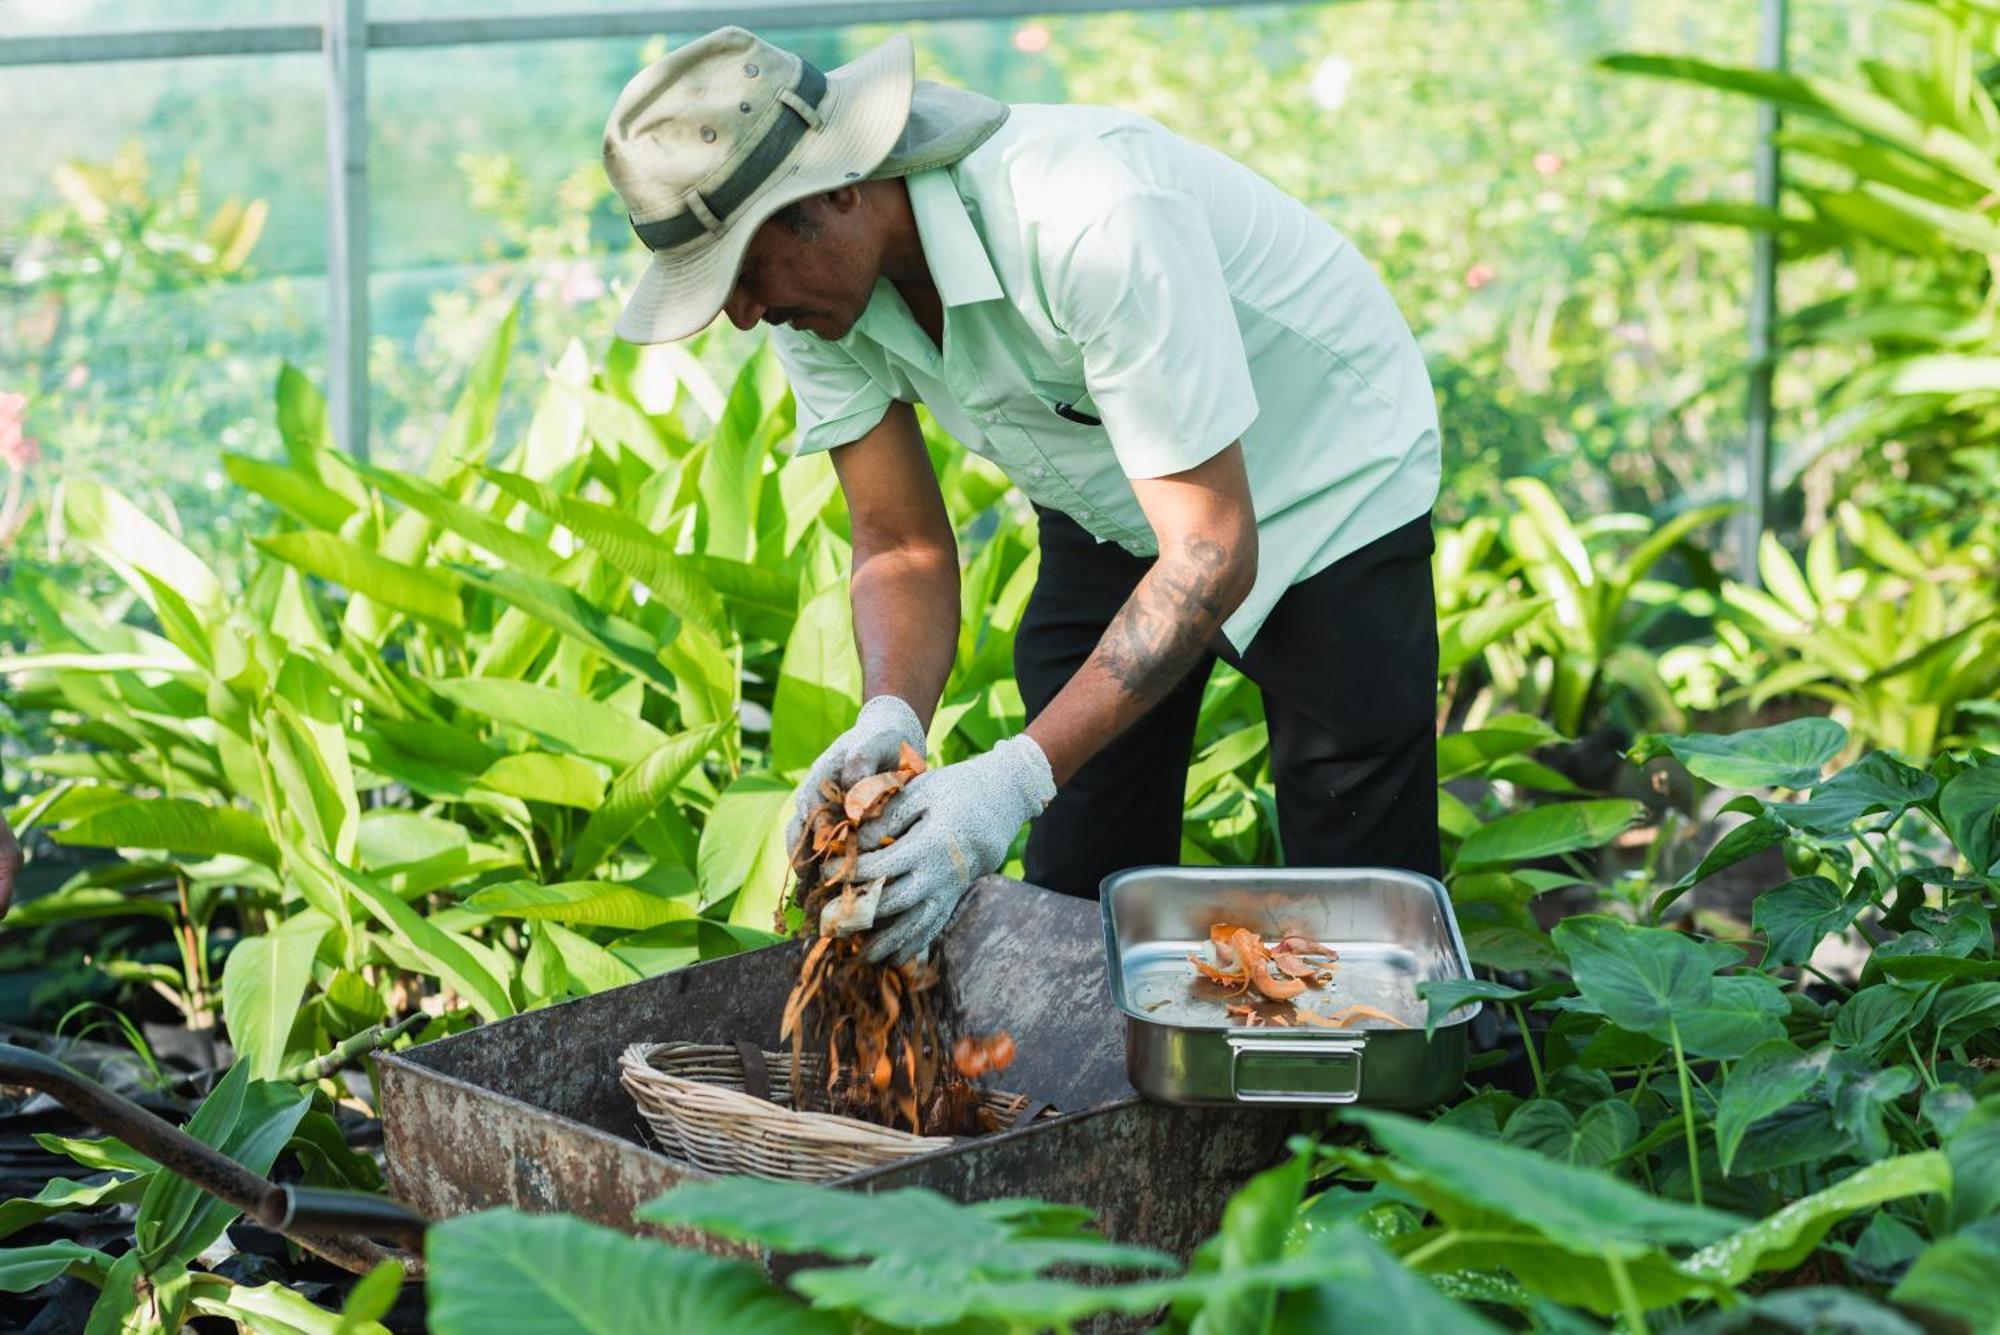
<point x="707" y="143"/>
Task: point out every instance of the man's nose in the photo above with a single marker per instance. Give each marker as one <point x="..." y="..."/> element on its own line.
<point x="743" y="309"/>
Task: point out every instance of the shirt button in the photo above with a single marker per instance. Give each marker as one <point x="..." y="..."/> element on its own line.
<point x="990" y="418"/>
<point x="1083" y="514"/>
<point x="1036" y="472"/>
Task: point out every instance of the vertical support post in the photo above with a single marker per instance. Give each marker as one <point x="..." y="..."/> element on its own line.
<point x="1763" y="308"/>
<point x="347" y="221"/>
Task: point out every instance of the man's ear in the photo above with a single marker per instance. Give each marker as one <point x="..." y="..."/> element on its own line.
<point x="841" y="199"/>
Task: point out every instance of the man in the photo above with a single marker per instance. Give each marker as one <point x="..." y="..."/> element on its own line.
<point x="1221" y="418"/>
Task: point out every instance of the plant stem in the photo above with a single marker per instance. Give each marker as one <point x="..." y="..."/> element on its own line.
<point x="1528" y="1043"/>
<point x="1923" y="1068"/>
<point x="1835" y="984"/>
<point x="1628" y="1297"/>
<point x="368" y="1040"/>
<point x="1448" y="1238"/>
<point x="1687" y="1121"/>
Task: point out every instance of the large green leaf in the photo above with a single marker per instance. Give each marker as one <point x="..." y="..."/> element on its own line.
<point x="1593" y="1140"/>
<point x="444" y="955"/>
<point x="1363" y="1287"/>
<point x="749" y="815"/>
<point x="1782" y="1240"/>
<point x="574" y="615"/>
<point x="572" y="722"/>
<point x="1796" y="916"/>
<point x="296" y="491"/>
<point x="1970" y="804"/>
<point x="128" y="539"/>
<point x="1765" y="830"/>
<point x="1789" y="754"/>
<point x="671" y="577"/>
<point x="589" y="903"/>
<point x="177" y="824"/>
<point x="249" y="1121"/>
<point x="1559" y="827"/>
<point x="543" y="776"/>
<point x="1769" y="1078"/>
<point x="1469" y="1177"/>
<point x="553" y="1274"/>
<point x="1638" y="977"/>
<point x="819" y="683"/>
<point x="273" y="1309"/>
<point x="60" y="1194"/>
<point x="478" y="527"/>
<point x="420" y="591"/>
<point x="1954" y="1275"/>
<point x="637" y="793"/>
<point x="262" y="985"/>
<point x="1860" y="1093"/>
<point x="1877" y="783"/>
<point x="25" y="1268"/>
<point x="1463" y="636"/>
<point x="1256" y="1224"/>
<point x="469" y="431"/>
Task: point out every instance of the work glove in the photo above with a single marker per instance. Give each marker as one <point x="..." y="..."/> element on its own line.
<point x="950" y="827"/>
<point x="874" y="744"/>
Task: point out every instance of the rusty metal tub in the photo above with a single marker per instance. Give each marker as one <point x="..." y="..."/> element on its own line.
<point x="528" y="1112"/>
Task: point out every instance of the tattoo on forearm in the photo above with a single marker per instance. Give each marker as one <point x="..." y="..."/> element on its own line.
<point x="1167" y="622"/>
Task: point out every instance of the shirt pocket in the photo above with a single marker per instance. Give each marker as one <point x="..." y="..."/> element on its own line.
<point x="1068" y="401"/>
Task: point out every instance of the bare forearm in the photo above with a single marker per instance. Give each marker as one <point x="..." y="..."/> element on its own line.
<point x="1162" y="630"/>
<point x="906" y="623"/>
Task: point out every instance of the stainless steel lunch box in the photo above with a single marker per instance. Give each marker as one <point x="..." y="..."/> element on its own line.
<point x="1392" y="930"/>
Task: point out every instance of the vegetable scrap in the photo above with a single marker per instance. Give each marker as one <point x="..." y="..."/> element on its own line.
<point x="1271" y="978"/>
<point x="889" y="1033"/>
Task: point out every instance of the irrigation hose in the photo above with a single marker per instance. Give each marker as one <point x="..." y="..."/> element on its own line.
<point x="214" y="1172"/>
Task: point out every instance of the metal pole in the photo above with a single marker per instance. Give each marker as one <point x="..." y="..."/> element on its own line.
<point x="347" y="222"/>
<point x="1763" y="309"/>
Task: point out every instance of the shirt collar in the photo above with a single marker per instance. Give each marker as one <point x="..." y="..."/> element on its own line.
<point x="952" y="248"/>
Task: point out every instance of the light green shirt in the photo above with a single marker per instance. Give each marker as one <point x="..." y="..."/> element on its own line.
<point x="1089" y="257"/>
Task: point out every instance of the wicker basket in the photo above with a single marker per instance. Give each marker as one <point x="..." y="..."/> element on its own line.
<point x="694" y="1097"/>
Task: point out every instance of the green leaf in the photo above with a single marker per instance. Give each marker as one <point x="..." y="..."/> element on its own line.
<point x="1770" y="1077"/>
<point x="1859" y="1093"/>
<point x="1364" y="1287"/>
<point x="1593" y="1140"/>
<point x="933" y="1258"/>
<point x="446" y="957"/>
<point x="1788" y="755"/>
<point x="1786" y="1238"/>
<point x="563" y="719"/>
<point x="420" y="591"/>
<point x="87" y="901"/>
<point x="296" y="491"/>
<point x="25" y="1268"/>
<point x="1638" y="977"/>
<point x="1743" y="1011"/>
<point x="476" y="526"/>
<point x="1878" y="782"/>
<point x="262" y="984"/>
<point x="1255" y="1224"/>
<point x="544" y="776"/>
<point x="1875" y="1015"/>
<point x="1796" y="916"/>
<point x="1463" y="636"/>
<point x="582" y="620"/>
<point x="1467" y="1177"/>
<point x="1955" y="1276"/>
<point x="637" y="793"/>
<point x="176" y="824"/>
<point x="128" y="539"/>
<point x="60" y="1194"/>
<point x="1970" y="805"/>
<point x="273" y="1309"/>
<point x="1559" y="827"/>
<point x="1444" y="995"/>
<point x="1965" y="1011"/>
<point x="589" y="903"/>
<point x="590" y="965"/>
<point x="1745" y="840"/>
<point x="249" y="1121"/>
<point x="470" y="429"/>
<point x="819" y="683"/>
<point x="749" y="815"/>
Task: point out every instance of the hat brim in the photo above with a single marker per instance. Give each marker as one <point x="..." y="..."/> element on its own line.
<point x="866" y="105"/>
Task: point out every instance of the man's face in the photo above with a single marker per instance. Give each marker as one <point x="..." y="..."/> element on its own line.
<point x="819" y="281"/>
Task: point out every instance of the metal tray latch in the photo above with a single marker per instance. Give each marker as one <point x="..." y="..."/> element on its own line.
<point x="1269" y="1069"/>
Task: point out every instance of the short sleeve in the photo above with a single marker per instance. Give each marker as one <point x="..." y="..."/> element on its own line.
<point x="838" y="401"/>
<point x="1142" y="292"/>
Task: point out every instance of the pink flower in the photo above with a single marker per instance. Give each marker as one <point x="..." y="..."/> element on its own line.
<point x="75" y="377"/>
<point x="18" y="450"/>
<point x="1031" y="39"/>
<point x="1478" y="276"/>
<point x="1547" y="163"/>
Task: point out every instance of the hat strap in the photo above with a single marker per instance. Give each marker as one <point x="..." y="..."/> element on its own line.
<point x="804" y="99"/>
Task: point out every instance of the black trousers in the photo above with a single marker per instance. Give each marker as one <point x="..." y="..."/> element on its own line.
<point x="1347" y="664"/>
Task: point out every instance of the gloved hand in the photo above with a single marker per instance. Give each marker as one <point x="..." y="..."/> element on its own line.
<point x="951" y="826"/>
<point x="872" y="745"/>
